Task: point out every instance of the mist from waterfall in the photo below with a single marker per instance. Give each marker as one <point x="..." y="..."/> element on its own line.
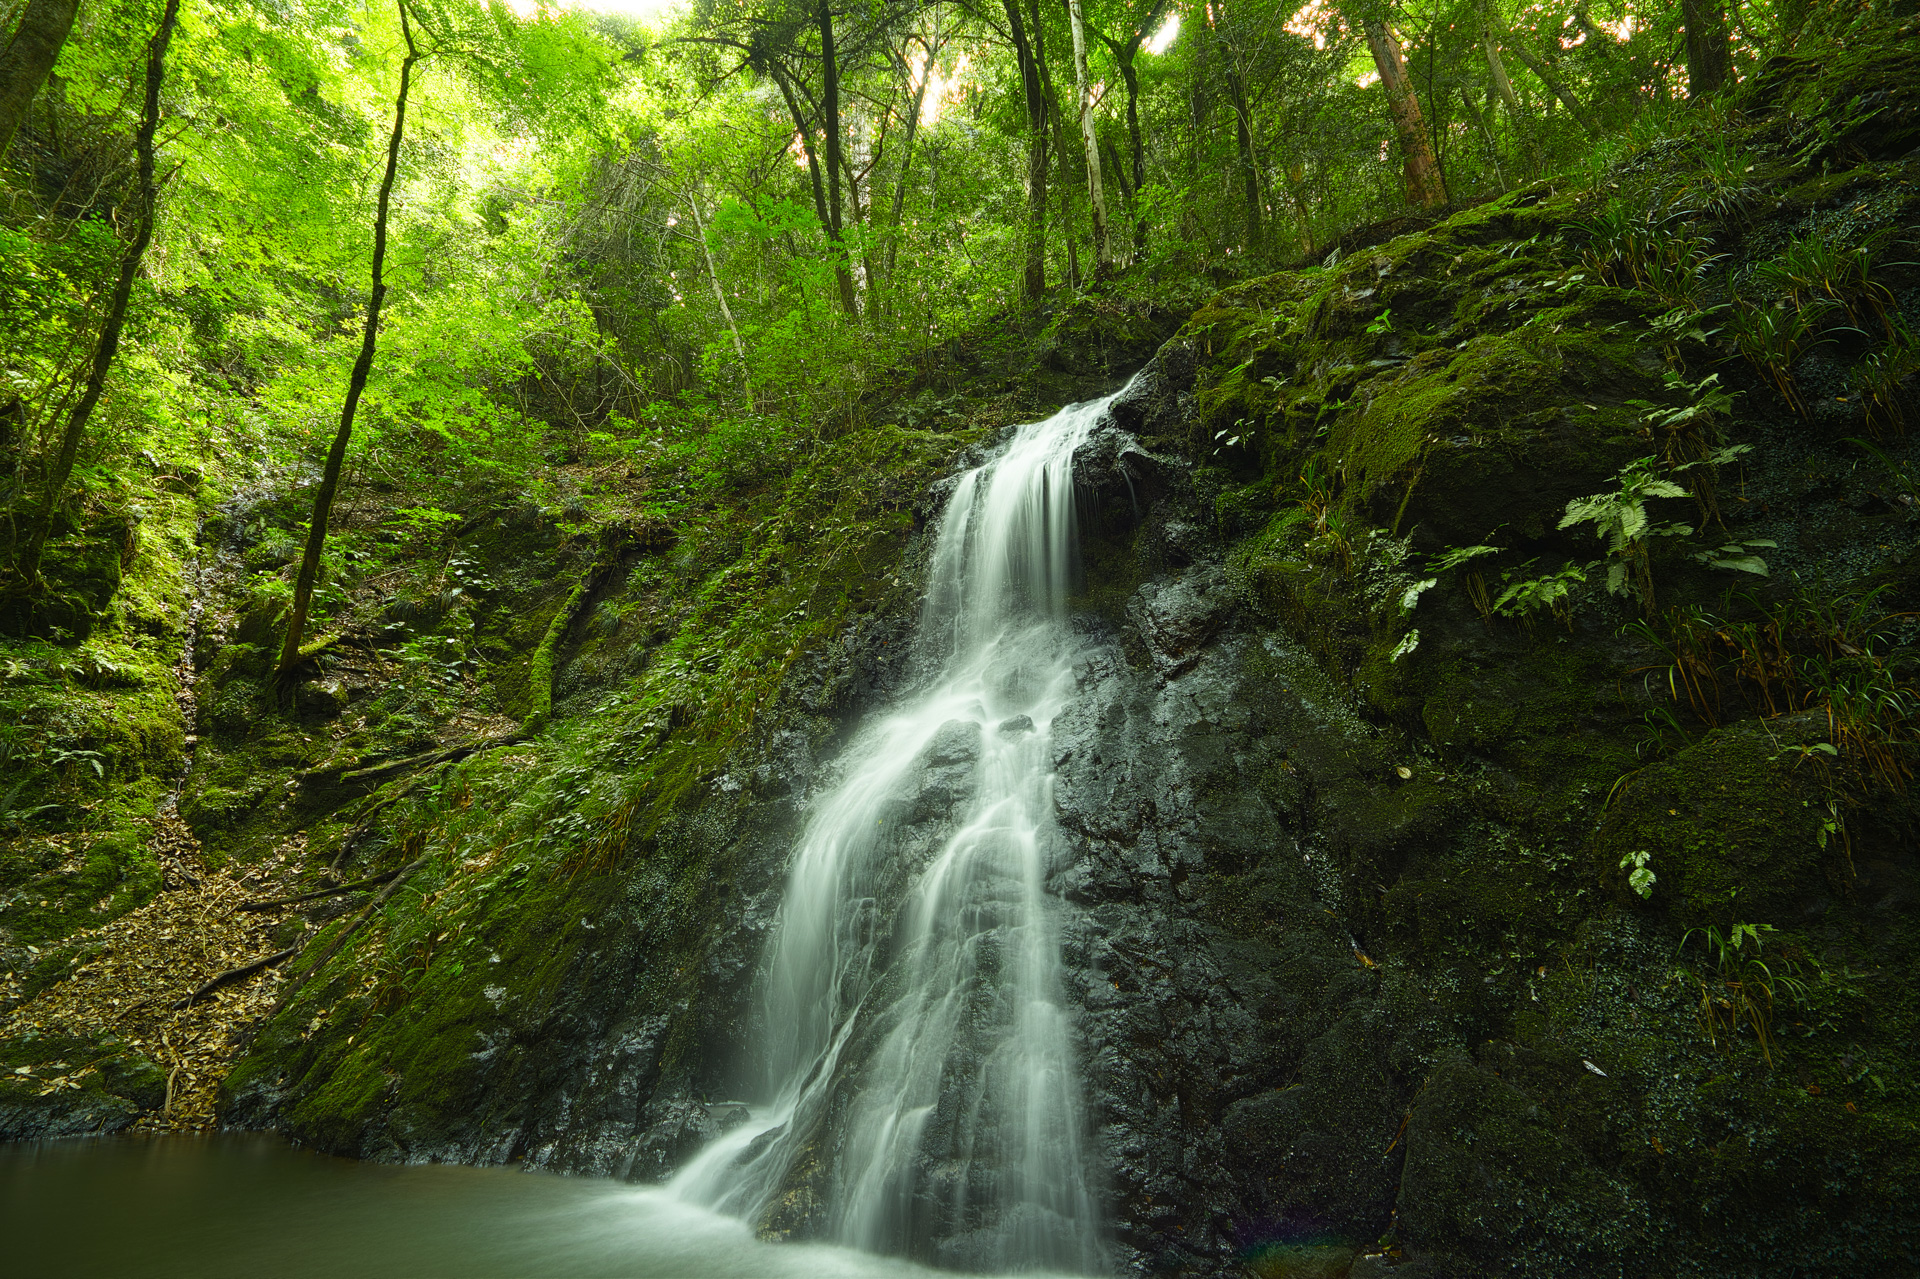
<point x="919" y="1060"/>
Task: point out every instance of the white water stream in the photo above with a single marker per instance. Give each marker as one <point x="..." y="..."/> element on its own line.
<point x="924" y="1093"/>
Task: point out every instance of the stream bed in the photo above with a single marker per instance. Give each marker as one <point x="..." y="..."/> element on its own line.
<point x="252" y="1205"/>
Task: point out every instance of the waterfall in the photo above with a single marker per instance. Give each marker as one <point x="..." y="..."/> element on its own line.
<point x="925" y="1098"/>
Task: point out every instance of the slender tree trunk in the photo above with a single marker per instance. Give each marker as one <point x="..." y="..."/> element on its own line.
<point x="1112" y="163"/>
<point x="1296" y="174"/>
<point x="109" y="344"/>
<point x="1132" y="80"/>
<point x="1243" y="152"/>
<point x="805" y="134"/>
<point x="1480" y="122"/>
<point x="1497" y="71"/>
<point x="1123" y="54"/>
<point x="1708" y="63"/>
<point x="830" y="123"/>
<point x="720" y="295"/>
<point x="356" y="381"/>
<point x="906" y="159"/>
<point x="1034" y="278"/>
<point x="1425" y="189"/>
<point x="1083" y="94"/>
<point x="821" y="208"/>
<point x="1544" y="72"/>
<point x="28" y="58"/>
<point x="859" y="205"/>
<point x="1058" y="146"/>
<point x="1436" y="139"/>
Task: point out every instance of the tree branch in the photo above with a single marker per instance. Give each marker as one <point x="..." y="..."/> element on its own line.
<point x="232" y="975"/>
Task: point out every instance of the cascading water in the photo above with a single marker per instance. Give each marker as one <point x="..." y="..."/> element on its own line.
<point x="919" y="1060"/>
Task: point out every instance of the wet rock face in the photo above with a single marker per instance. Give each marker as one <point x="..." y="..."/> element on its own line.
<point x="612" y="1039"/>
<point x="27" y="1117"/>
<point x="1243" y="1070"/>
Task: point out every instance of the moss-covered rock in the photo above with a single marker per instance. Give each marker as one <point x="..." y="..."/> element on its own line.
<point x="1740" y="825"/>
<point x="1496" y="1185"/>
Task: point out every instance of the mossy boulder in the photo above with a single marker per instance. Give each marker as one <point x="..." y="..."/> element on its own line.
<point x="1740" y="827"/>
<point x="61" y="1086"/>
<point x="1495" y="1185"/>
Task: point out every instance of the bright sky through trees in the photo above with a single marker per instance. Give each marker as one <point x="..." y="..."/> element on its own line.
<point x="647" y="10"/>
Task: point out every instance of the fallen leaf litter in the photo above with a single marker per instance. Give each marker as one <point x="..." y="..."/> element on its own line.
<point x="132" y="971"/>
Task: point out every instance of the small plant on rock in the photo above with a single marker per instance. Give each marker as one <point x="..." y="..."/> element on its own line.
<point x="1882" y="377"/>
<point x="1774" y="338"/>
<point x="1621" y="519"/>
<point x="1639" y="878"/>
<point x="1551" y="592"/>
<point x="1476" y="583"/>
<point x="1740" y="987"/>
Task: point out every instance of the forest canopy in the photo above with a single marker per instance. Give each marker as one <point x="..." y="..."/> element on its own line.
<point x="704" y="235"/>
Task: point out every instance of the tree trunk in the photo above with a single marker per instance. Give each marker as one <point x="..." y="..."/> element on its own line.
<point x="830" y="123"/>
<point x="1124" y="54"/>
<point x="1112" y="163"/>
<point x="28" y="58"/>
<point x="802" y="130"/>
<point x="720" y="295"/>
<point x="906" y="160"/>
<point x="1132" y="79"/>
<point x="859" y="204"/>
<point x="356" y="381"/>
<point x="821" y="208"/>
<point x="1497" y="71"/>
<point x="1479" y="119"/>
<point x="109" y="344"/>
<point x="1083" y="93"/>
<point x="1296" y="174"/>
<point x="1544" y="72"/>
<point x="1243" y="148"/>
<point x="1034" y="279"/>
<point x="1424" y="187"/>
<point x="1708" y="63"/>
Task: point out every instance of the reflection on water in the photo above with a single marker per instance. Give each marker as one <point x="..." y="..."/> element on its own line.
<point x="253" y="1206"/>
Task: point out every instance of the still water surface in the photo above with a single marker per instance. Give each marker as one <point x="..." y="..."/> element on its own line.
<point x="252" y="1206"/>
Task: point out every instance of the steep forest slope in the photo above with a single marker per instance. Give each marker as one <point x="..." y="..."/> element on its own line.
<point x="1487" y="813"/>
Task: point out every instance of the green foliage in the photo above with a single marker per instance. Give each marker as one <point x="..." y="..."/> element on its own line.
<point x="1884" y="374"/>
<point x="1737" y="556"/>
<point x="1550" y="592"/>
<point x="1739" y="986"/>
<point x="1621" y="519"/>
<point x="1639" y="878"/>
<point x="1454" y="557"/>
<point x="1774" y="338"/>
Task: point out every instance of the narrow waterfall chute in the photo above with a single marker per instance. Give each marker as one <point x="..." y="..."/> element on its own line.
<point x="920" y="1061"/>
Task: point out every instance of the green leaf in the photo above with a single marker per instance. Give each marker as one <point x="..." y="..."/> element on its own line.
<point x="1459" y="555"/>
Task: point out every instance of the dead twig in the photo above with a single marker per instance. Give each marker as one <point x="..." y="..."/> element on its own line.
<point x="247" y="969"/>
<point x="355" y="886"/>
<point x="333" y="947"/>
<point x="446" y="755"/>
<point x="449" y="755"/>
